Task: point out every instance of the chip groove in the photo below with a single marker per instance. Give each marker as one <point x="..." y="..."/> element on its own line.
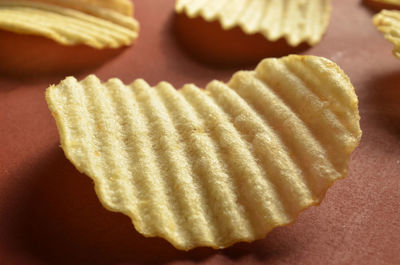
<point x="181" y="184"/>
<point x="341" y="110"/>
<point x="312" y="111"/>
<point x="235" y="104"/>
<point x="137" y="144"/>
<point x="263" y="191"/>
<point x="113" y="89"/>
<point x="91" y="95"/>
<point x="199" y="143"/>
<point x="264" y="156"/>
<point x="295" y="111"/>
<point x="290" y="129"/>
<point x="296" y="21"/>
<point x="148" y="106"/>
<point x="98" y="106"/>
<point x="271" y="117"/>
<point x="203" y="167"/>
<point x="335" y="117"/>
<point x="180" y="119"/>
<point x="238" y="226"/>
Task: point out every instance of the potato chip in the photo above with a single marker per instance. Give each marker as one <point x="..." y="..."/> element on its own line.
<point x="297" y="21"/>
<point x="72" y="22"/>
<point x="388" y="22"/>
<point x="216" y="166"/>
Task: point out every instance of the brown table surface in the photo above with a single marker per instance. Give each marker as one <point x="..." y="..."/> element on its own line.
<point x="49" y="213"/>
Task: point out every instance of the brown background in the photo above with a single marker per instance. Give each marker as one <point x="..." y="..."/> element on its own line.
<point x="49" y="213"/>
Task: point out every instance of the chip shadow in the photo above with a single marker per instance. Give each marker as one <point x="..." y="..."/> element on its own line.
<point x="57" y="219"/>
<point x="382" y="102"/>
<point x="375" y="7"/>
<point x="28" y="56"/>
<point x="209" y="43"/>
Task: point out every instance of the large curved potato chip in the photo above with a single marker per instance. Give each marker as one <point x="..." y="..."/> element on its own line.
<point x="99" y="24"/>
<point x="297" y="21"/>
<point x="216" y="166"/>
<point x="388" y="22"/>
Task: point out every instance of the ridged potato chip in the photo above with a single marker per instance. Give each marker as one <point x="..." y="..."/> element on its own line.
<point x="297" y="21"/>
<point x="388" y="22"/>
<point x="216" y="166"/>
<point x="99" y="24"/>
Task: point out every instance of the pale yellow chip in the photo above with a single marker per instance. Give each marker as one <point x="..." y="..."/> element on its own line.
<point x="99" y="24"/>
<point x="388" y="22"/>
<point x="297" y="21"/>
<point x="216" y="166"/>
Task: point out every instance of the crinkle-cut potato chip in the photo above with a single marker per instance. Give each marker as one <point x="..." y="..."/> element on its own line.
<point x="96" y="23"/>
<point x="217" y="166"/>
<point x="388" y="22"/>
<point x="297" y="21"/>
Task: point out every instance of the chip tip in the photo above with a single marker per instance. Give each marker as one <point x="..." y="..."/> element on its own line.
<point x="140" y="83"/>
<point x="164" y="85"/>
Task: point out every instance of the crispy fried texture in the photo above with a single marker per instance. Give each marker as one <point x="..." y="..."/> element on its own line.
<point x="217" y="166"/>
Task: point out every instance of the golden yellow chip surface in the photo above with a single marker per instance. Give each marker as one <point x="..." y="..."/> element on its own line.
<point x="217" y="166"/>
<point x="297" y="21"/>
<point x="388" y="22"/>
<point x="99" y="24"/>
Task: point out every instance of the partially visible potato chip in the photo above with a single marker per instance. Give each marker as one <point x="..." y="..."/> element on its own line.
<point x="99" y="24"/>
<point x="216" y="166"/>
<point x="388" y="22"/>
<point x="297" y="21"/>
